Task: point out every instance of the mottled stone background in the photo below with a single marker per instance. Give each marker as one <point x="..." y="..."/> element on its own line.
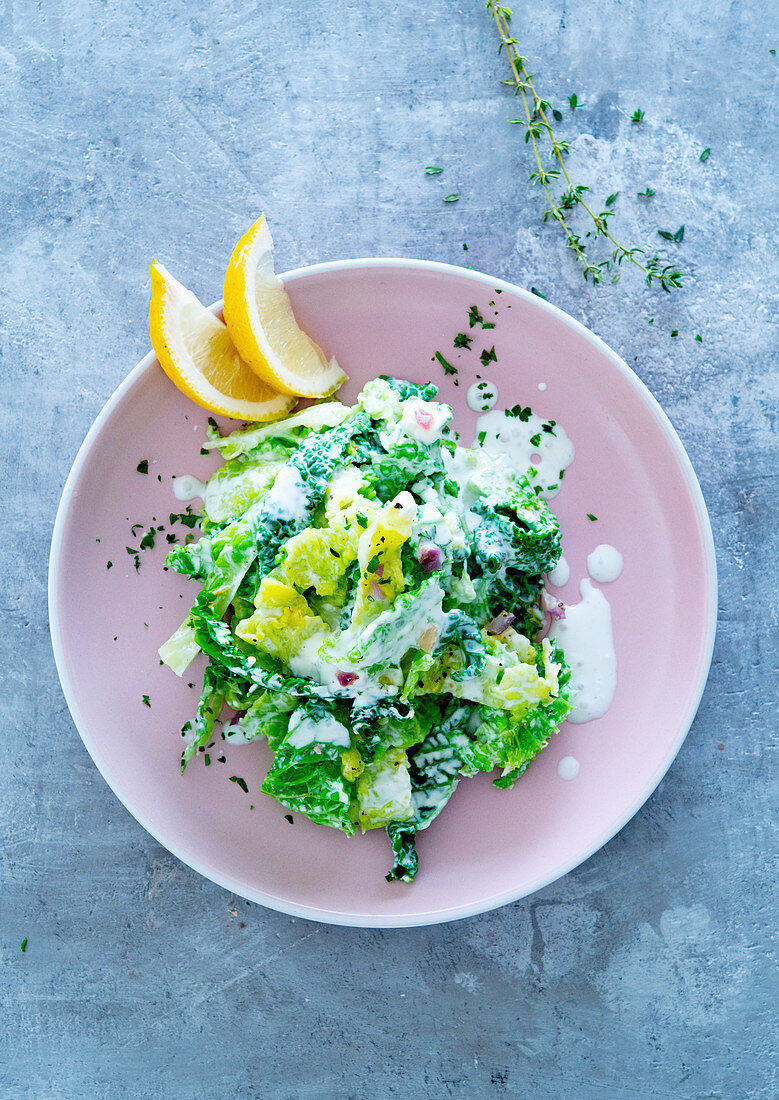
<point x="130" y="130"/>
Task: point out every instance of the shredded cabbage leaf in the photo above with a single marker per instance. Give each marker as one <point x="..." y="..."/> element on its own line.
<point x="369" y="606"/>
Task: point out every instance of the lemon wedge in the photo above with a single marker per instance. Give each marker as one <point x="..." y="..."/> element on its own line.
<point x="259" y="316"/>
<point x="195" y="351"/>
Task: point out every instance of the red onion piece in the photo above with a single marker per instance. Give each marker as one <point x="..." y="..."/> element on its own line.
<point x="377" y="591"/>
<point x="429" y="556"/>
<point x="232" y="725"/>
<point x="554" y="608"/>
<point x="345" y="678"/>
<point x="501" y="622"/>
<point x="380" y="570"/>
<point x="423" y="418"/>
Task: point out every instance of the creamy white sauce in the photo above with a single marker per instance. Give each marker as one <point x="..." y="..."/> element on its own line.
<point x="568" y="768"/>
<point x="188" y="488"/>
<point x="287" y="498"/>
<point x="235" y="736"/>
<point x="478" y="474"/>
<point x="432" y="415"/>
<point x="308" y="662"/>
<point x="542" y="386"/>
<point x="365" y="690"/>
<point x="604" y="564"/>
<point x="549" y="454"/>
<point x="586" y="638"/>
<point x="431" y="525"/>
<point x="482" y="396"/>
<point x="560" y="574"/>
<point x="344" y="483"/>
<point x="305" y="731"/>
<point x="406" y="629"/>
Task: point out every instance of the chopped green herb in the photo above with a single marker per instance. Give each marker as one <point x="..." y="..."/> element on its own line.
<point x="241" y="783"/>
<point x="488" y="357"/>
<point x="187" y="519"/>
<point x="288" y="817"/>
<point x="535" y="440"/>
<point x="109" y="565"/>
<point x="465" y="247"/>
<point x="463" y="340"/>
<point x="362" y="520"/>
<point x="499" y="677"/>
<point x="207" y="760"/>
<point x="143" y="466"/>
<point x="448" y="368"/>
<point x="474" y="317"/>
<point x="549" y="426"/>
<point x="646" y="194"/>
<point x="520" y="413"/>
<point x="481" y="437"/>
<point x="698" y="338"/>
<point x="452" y="198"/>
<point x="488" y="324"/>
<point x="573" y="101"/>
<point x="705" y="154"/>
<point x="147" y="542"/>
<point x="666" y="234"/>
<point x="23" y="945"/>
<point x="679" y="234"/>
<point x="674" y="332"/>
<point x="433" y="170"/>
<point x="592" y="517"/>
<point x="146" y="702"/>
<point x="373" y="564"/>
<point x="204" y="451"/>
<point x="538" y="293"/>
<point x="637" y="116"/>
<point x="451" y="488"/>
<point x="612" y="199"/>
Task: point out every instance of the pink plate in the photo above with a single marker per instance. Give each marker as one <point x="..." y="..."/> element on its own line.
<point x="489" y="846"/>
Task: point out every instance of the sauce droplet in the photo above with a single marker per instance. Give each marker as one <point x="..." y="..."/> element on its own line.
<point x="188" y="487"/>
<point x="482" y="396"/>
<point x="560" y="574"/>
<point x="604" y="564"/>
<point x="568" y="768"/>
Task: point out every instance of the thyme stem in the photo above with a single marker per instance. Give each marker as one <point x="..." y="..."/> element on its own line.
<point x="536" y="123"/>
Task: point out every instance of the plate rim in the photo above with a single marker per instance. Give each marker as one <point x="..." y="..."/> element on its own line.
<point x="438" y="916"/>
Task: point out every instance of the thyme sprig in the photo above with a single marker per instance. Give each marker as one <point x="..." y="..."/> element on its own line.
<point x="538" y="128"/>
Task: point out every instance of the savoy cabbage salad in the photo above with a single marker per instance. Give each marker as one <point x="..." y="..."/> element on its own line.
<point x="371" y="603"/>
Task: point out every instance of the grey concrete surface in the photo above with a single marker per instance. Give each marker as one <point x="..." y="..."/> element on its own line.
<point x="130" y="130"/>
